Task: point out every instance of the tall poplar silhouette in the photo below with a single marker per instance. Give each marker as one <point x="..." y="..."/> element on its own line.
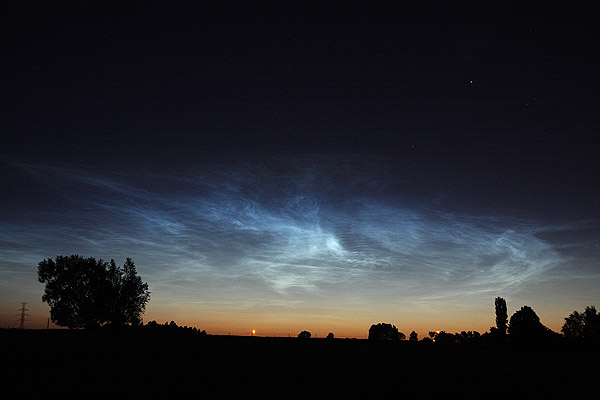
<point x="501" y="315"/>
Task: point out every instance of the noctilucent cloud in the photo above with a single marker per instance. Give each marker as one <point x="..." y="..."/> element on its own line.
<point x="317" y="244"/>
<point x="289" y="166"/>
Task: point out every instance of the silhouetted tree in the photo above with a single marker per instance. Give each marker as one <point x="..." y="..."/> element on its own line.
<point x="501" y="315"/>
<point x="129" y="294"/>
<point x="466" y="337"/>
<point x="304" y="335"/>
<point x="582" y="326"/>
<point x="444" y="338"/>
<point x="573" y="326"/>
<point x="591" y="320"/>
<point x="413" y="337"/>
<point x="88" y="293"/>
<point x="330" y="335"/>
<point x="383" y="331"/>
<point x="526" y="325"/>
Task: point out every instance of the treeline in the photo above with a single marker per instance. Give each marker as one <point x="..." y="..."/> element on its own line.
<point x="384" y="331"/>
<point x="171" y="328"/>
<point x="524" y="327"/>
<point x="92" y="294"/>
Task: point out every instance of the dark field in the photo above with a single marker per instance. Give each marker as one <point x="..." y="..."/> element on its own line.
<point x="79" y="364"/>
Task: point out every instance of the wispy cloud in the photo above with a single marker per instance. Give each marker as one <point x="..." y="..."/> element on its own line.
<point x="271" y="234"/>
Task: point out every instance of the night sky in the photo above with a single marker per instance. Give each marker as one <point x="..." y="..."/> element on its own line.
<point x="306" y="166"/>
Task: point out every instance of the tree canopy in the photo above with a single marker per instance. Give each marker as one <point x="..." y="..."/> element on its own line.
<point x="582" y="326"/>
<point x="304" y="335"/>
<point x="526" y="325"/>
<point x="88" y="293"/>
<point x="383" y="331"/>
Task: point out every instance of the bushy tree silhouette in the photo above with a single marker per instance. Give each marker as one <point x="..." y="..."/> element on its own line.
<point x="573" y="326"/>
<point x="304" y="335"/>
<point x="444" y="338"/>
<point x="88" y="293"/>
<point x="582" y="326"/>
<point x="413" y="337"/>
<point x="466" y="337"/>
<point x="129" y="294"/>
<point x="383" y="331"/>
<point x="525" y="325"/>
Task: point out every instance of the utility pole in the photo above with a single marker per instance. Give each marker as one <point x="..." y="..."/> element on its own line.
<point x="23" y="315"/>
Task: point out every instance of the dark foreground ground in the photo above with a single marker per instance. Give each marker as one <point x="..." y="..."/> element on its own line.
<point x="78" y="364"/>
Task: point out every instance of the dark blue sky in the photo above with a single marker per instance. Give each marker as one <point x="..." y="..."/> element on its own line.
<point x="277" y="166"/>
